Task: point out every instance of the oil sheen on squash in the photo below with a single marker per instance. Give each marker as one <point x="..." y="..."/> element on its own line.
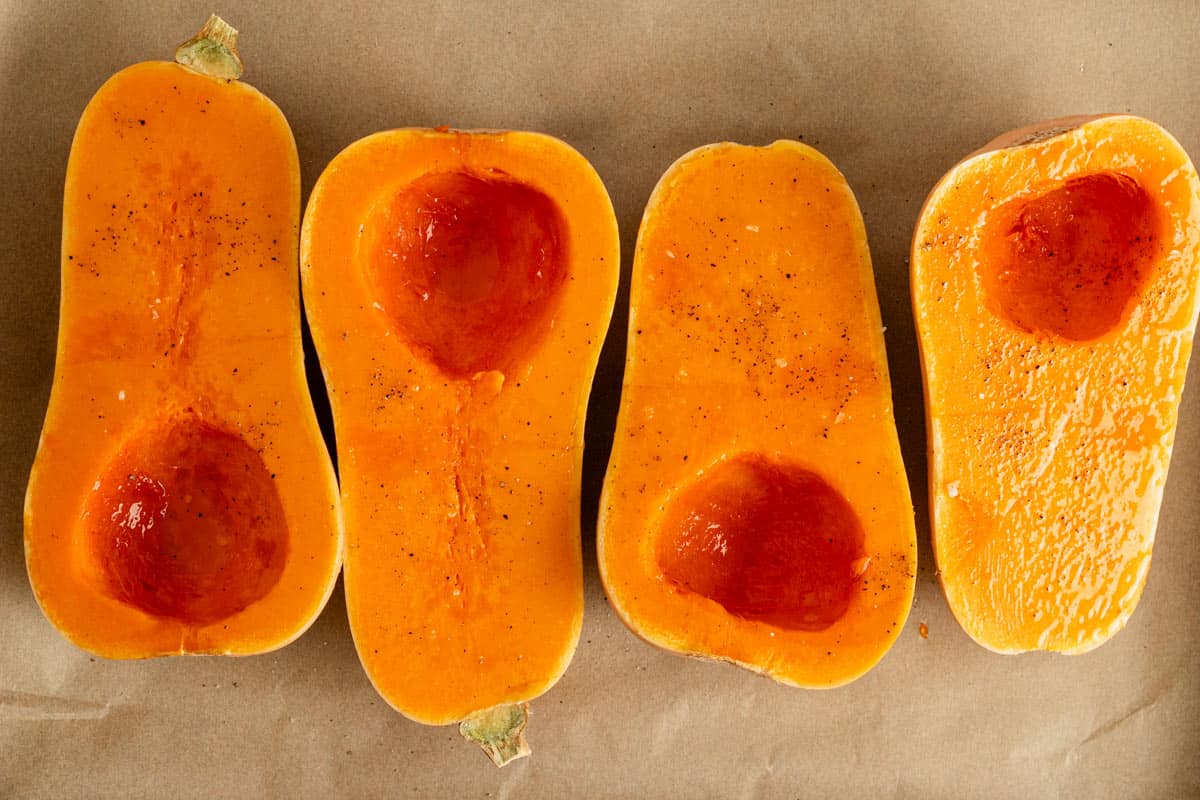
<point x="767" y="541"/>
<point x="182" y="499"/>
<point x="756" y="509"/>
<point x="1070" y="260"/>
<point x="459" y="286"/>
<point x="186" y="522"/>
<point x="1055" y="281"/>
<point x="467" y="268"/>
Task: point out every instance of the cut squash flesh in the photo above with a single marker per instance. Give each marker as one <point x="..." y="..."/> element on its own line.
<point x="756" y="508"/>
<point x="1054" y="279"/>
<point x="459" y="286"/>
<point x="182" y="499"/>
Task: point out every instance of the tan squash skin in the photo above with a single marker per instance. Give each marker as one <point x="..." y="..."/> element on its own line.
<point x="754" y="329"/>
<point x="1049" y="445"/>
<point x="460" y="482"/>
<point x="180" y="302"/>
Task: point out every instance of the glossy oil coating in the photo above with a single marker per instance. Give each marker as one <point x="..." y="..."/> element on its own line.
<point x="767" y="541"/>
<point x="1070" y="261"/>
<point x="469" y="268"/>
<point x="185" y="522"/>
<point x="754" y="333"/>
<point x="1048" y="454"/>
<point x="460" y="464"/>
<point x="179" y="359"/>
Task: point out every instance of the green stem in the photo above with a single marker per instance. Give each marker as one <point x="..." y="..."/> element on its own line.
<point x="212" y="51"/>
<point x="500" y="731"/>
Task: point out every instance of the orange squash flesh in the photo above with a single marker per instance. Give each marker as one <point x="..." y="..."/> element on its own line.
<point x="181" y="500"/>
<point x="459" y="286"/>
<point x="756" y="508"/>
<point x="1054" y="279"/>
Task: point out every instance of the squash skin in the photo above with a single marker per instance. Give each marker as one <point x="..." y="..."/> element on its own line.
<point x="719" y="216"/>
<point x="1063" y="445"/>
<point x="187" y="311"/>
<point x="463" y="572"/>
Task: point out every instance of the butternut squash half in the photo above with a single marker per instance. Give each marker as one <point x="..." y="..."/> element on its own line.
<point x="1054" y="281"/>
<point x="459" y="286"/>
<point x="756" y="508"/>
<point x="181" y="499"/>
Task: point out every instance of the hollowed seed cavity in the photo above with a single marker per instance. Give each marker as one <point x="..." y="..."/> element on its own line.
<point x="186" y="523"/>
<point x="1071" y="261"/>
<point x="767" y="540"/>
<point x="468" y="268"/>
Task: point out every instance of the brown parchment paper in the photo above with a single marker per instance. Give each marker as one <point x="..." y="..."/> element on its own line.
<point x="894" y="93"/>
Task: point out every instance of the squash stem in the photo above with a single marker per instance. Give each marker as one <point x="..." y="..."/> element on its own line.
<point x="500" y="731"/>
<point x="212" y="51"/>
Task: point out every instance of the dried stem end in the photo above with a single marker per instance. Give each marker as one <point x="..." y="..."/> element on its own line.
<point x="212" y="51"/>
<point x="500" y="731"/>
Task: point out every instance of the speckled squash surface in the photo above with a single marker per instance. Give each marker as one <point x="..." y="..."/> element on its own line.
<point x="181" y="500"/>
<point x="459" y="286"/>
<point x="1054" y="280"/>
<point x="756" y="508"/>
